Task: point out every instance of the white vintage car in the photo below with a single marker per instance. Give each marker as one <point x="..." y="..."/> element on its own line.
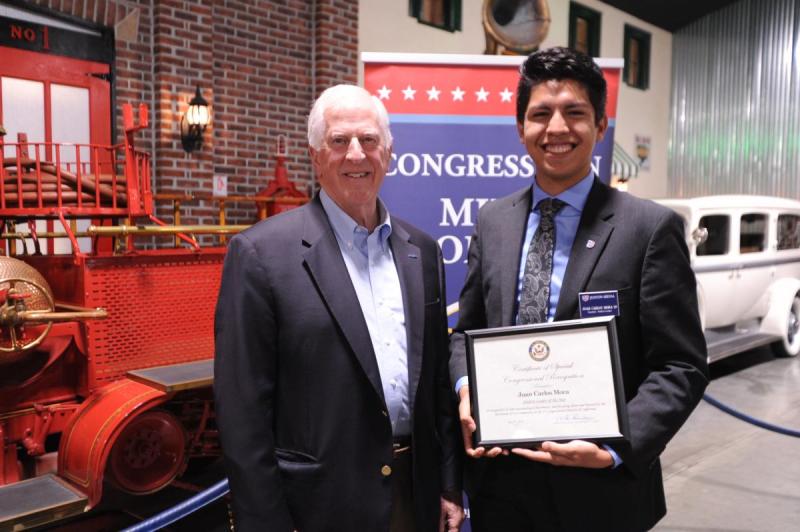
<point x="745" y="251"/>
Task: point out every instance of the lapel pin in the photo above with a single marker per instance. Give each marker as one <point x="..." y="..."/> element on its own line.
<point x="590" y="244"/>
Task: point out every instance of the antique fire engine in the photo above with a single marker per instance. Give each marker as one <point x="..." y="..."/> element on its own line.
<point x="106" y="350"/>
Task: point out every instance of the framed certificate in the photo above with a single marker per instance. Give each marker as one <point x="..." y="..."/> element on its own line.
<point x="555" y="381"/>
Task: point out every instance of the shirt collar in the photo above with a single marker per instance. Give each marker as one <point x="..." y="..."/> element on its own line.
<point x="346" y="228"/>
<point x="575" y="196"/>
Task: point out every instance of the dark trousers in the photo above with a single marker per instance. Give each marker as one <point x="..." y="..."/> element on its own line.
<point x="517" y="495"/>
<point x="511" y="498"/>
<point x="402" y="519"/>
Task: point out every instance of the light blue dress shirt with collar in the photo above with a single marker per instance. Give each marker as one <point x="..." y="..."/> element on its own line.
<point x="370" y="263"/>
<point x="566" y="223"/>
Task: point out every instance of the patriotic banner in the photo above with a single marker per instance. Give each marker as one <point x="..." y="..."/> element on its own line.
<point x="456" y="146"/>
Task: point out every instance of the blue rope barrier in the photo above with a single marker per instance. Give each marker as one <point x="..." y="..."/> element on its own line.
<point x="749" y="419"/>
<point x="181" y="510"/>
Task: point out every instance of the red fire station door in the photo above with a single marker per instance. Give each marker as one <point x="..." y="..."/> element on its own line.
<point x="53" y="98"/>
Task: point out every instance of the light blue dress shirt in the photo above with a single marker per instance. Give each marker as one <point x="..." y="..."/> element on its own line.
<point x="566" y="222"/>
<point x="370" y="263"/>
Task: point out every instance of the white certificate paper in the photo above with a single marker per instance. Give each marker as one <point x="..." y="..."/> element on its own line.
<point x="554" y="382"/>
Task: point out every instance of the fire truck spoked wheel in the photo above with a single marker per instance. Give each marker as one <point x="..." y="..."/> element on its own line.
<point x="148" y="454"/>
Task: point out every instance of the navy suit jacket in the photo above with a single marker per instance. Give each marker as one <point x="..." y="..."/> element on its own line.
<point x="304" y="424"/>
<point x="639" y="250"/>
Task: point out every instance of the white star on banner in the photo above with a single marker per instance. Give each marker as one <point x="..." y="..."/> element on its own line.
<point x="433" y="93"/>
<point x="408" y="93"/>
<point x="506" y="95"/>
<point x="458" y="95"/>
<point x="384" y="92"/>
<point x="482" y="95"/>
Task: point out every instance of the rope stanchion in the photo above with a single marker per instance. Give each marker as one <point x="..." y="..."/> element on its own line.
<point x="749" y="419"/>
<point x="181" y="510"/>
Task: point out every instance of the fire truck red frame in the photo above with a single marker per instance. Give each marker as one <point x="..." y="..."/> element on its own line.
<point x="86" y="391"/>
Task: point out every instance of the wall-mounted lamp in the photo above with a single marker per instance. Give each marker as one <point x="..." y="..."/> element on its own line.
<point x="194" y="123"/>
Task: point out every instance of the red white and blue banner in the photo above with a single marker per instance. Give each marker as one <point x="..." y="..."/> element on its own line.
<point x="456" y="146"/>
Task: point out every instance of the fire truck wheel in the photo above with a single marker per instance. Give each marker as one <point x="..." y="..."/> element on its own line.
<point x="148" y="454"/>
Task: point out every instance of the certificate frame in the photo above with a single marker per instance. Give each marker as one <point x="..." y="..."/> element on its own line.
<point x="567" y="386"/>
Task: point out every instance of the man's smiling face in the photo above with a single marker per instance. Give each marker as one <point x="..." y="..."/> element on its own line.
<point x="559" y="133"/>
<point x="353" y="159"/>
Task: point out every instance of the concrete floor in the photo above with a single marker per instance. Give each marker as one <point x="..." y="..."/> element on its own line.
<point x="722" y="474"/>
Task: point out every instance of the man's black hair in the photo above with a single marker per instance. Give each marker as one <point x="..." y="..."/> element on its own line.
<point x="561" y="64"/>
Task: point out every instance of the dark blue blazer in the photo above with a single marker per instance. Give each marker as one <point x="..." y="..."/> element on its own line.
<point x="639" y="251"/>
<point x="300" y="406"/>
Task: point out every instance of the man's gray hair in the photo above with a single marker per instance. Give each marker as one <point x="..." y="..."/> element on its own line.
<point x="343" y="94"/>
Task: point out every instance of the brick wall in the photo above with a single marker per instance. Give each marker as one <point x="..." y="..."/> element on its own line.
<point x="257" y="66"/>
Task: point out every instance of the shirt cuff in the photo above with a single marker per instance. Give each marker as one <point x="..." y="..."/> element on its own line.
<point x="463" y="381"/>
<point x="614" y="455"/>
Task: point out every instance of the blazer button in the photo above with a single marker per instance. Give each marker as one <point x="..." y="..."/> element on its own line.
<point x="386" y="471"/>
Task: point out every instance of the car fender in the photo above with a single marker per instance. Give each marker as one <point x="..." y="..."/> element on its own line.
<point x="781" y="295"/>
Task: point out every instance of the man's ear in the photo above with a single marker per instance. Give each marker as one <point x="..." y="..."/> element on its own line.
<point x="602" y="127"/>
<point x="388" y="157"/>
<point x="314" y="155"/>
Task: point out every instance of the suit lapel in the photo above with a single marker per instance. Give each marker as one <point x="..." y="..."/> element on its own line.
<point x="408" y="259"/>
<point x="511" y="250"/>
<point x="594" y="230"/>
<point x="325" y="264"/>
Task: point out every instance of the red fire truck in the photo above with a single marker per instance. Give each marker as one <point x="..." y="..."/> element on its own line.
<point x="106" y="349"/>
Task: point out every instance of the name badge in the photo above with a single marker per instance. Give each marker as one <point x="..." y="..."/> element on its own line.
<point x="594" y="304"/>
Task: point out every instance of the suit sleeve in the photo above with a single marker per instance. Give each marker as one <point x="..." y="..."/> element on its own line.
<point x="672" y="343"/>
<point x="446" y="417"/>
<point x="471" y="309"/>
<point x="244" y="384"/>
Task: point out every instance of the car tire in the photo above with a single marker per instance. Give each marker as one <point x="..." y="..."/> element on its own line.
<point x="789" y="345"/>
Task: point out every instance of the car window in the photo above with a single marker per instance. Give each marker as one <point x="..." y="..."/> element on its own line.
<point x="718" y="227"/>
<point x="788" y="231"/>
<point x="753" y="233"/>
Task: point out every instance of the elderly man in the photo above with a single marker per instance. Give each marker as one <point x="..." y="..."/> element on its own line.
<point x="331" y="379"/>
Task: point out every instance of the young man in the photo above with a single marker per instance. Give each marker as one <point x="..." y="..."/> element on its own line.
<point x="332" y="393"/>
<point x="532" y="253"/>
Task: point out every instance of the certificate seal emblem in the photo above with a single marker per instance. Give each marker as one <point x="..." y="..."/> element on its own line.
<point x="539" y="350"/>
